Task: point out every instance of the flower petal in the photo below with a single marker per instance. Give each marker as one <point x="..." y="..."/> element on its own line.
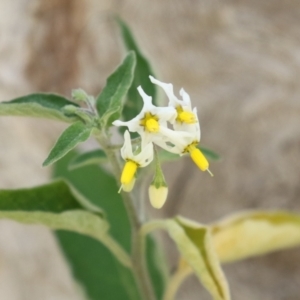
<point x="147" y="99"/>
<point x="145" y="157"/>
<point x="185" y="98"/>
<point x="168" y="88"/>
<point x="126" y="150"/>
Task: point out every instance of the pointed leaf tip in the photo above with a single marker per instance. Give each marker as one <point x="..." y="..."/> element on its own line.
<point x="69" y="139"/>
<point x="110" y="101"/>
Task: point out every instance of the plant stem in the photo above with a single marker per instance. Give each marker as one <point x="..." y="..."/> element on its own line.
<point x="138" y="259"/>
<point x="176" y="281"/>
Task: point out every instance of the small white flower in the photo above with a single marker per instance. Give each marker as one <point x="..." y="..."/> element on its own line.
<point x="150" y="120"/>
<point x="186" y="116"/>
<point x="133" y="160"/>
<point x="186" y="134"/>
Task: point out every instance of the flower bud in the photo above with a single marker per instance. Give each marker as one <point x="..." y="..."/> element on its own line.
<point x="158" y="190"/>
<point x="158" y="196"/>
<point x="79" y="95"/>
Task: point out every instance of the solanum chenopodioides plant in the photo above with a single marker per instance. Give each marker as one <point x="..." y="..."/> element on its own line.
<point x="152" y="125"/>
<point x="153" y="134"/>
<point x="92" y="117"/>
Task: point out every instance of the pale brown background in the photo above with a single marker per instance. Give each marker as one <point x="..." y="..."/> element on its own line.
<point x="239" y="61"/>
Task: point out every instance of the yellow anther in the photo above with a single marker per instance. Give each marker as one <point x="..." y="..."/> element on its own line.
<point x="185" y="116"/>
<point x="128" y="172"/>
<point x="150" y="122"/>
<point x="198" y="158"/>
<point x="152" y="125"/>
<point x="128" y="187"/>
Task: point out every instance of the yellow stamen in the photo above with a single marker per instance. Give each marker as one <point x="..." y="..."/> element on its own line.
<point x="128" y="187"/>
<point x="152" y="125"/>
<point x="150" y="122"/>
<point x="128" y="172"/>
<point x="198" y="158"/>
<point x="185" y="116"/>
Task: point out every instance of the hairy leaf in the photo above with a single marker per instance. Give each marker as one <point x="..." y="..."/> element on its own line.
<point x="110" y="100"/>
<point x="97" y="270"/>
<point x="255" y="233"/>
<point x="134" y="103"/>
<point x="39" y="105"/>
<point x="55" y="197"/>
<point x="97" y="156"/>
<point x="69" y="139"/>
<point x="60" y="207"/>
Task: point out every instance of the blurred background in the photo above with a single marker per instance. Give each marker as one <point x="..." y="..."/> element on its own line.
<point x="240" y="62"/>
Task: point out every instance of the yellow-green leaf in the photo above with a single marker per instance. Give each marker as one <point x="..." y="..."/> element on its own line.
<point x="194" y="242"/>
<point x="255" y="233"/>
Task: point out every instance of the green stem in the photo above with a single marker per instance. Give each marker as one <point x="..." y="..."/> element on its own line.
<point x="138" y="259"/>
<point x="183" y="270"/>
<point x="175" y="282"/>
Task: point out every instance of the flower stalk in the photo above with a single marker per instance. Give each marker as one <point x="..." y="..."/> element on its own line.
<point x="138" y="243"/>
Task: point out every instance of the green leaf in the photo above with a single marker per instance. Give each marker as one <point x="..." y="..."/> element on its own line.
<point x="110" y="101"/>
<point x="78" y="221"/>
<point x="69" y="139"/>
<point x="55" y="197"/>
<point x="97" y="156"/>
<point x="97" y="270"/>
<point x="255" y="233"/>
<point x="210" y="154"/>
<point x="165" y="156"/>
<point x="59" y="207"/>
<point x="134" y="103"/>
<point x="194" y="243"/>
<point x="39" y="105"/>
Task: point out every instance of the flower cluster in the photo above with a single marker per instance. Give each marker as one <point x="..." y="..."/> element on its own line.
<point x="152" y="126"/>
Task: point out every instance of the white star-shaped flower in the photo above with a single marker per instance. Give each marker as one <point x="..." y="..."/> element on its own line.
<point x="186" y="116"/>
<point x="140" y="158"/>
<point x="150" y="120"/>
<point x="186" y="134"/>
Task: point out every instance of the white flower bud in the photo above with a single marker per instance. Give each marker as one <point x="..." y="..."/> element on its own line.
<point x="158" y="196"/>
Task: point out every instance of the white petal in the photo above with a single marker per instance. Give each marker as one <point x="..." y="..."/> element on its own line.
<point x="165" y="114"/>
<point x="145" y="157"/>
<point x="185" y="98"/>
<point x="180" y="139"/>
<point x="133" y="125"/>
<point x="126" y="150"/>
<point x="147" y="99"/>
<point x="162" y="144"/>
<point x="168" y="88"/>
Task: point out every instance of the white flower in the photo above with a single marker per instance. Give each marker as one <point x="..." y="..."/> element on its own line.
<point x="133" y="160"/>
<point x="150" y="120"/>
<point x="186" y="116"/>
<point x="186" y="134"/>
